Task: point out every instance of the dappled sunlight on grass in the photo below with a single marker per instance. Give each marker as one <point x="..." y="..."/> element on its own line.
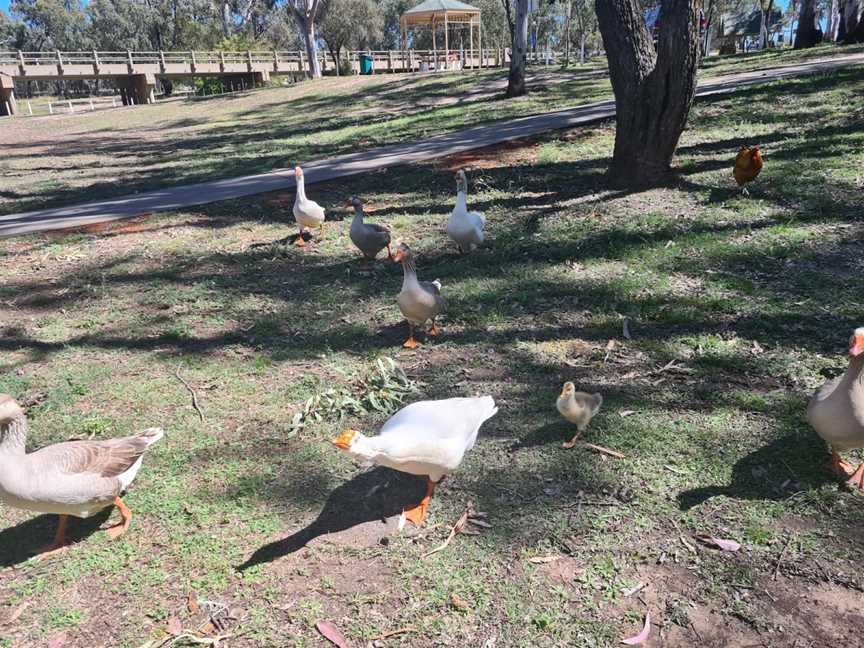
<point x="736" y="308"/>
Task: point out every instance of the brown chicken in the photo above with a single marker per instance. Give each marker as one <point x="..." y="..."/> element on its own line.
<point x="748" y="164"/>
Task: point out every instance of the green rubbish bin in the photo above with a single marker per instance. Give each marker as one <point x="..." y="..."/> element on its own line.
<point x="366" y="64"/>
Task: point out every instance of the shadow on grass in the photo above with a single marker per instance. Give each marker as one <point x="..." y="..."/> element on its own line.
<point x="23" y="541"/>
<point x="374" y="495"/>
<point x="761" y="475"/>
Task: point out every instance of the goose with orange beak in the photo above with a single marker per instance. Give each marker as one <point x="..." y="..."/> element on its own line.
<point x="307" y="213"/>
<point x="428" y="438"/>
<point x="836" y="412"/>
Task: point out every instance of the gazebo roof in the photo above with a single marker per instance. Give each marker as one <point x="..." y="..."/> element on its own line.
<point x="440" y="6"/>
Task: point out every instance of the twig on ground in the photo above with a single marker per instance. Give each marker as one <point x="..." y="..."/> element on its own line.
<point x="780" y="559"/>
<point x="393" y="633"/>
<point x="606" y="451"/>
<point x="468" y="516"/>
<point x="191" y="391"/>
<point x="633" y="590"/>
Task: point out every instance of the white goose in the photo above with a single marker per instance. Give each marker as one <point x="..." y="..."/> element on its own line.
<point x="836" y="411"/>
<point x="425" y="438"/>
<point x="465" y="227"/>
<point x="77" y="478"/>
<point x="307" y="212"/>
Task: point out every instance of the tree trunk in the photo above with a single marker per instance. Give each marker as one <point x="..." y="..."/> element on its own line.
<point x="709" y="21"/>
<point x="763" y="28"/>
<point x="852" y="24"/>
<point x="226" y="19"/>
<point x="806" y="36"/>
<point x="653" y="89"/>
<point x="334" y="54"/>
<point x="516" y="80"/>
<point x="567" y="33"/>
<point x="308" y="28"/>
<point x="831" y="32"/>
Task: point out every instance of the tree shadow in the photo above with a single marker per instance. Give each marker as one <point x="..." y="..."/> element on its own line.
<point x="374" y="495"/>
<point x="23" y="541"/>
<point x="761" y="475"/>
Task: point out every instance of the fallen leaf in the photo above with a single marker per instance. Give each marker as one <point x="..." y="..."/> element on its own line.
<point x="643" y="635"/>
<point x="175" y="627"/>
<point x="16" y="613"/>
<point x="458" y="603"/>
<point x="329" y="632"/>
<point x="626" y="413"/>
<point x="192" y="603"/>
<point x="719" y="543"/>
<point x="542" y="560"/>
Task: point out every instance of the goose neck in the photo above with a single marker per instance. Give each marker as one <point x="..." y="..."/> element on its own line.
<point x="13" y="436"/>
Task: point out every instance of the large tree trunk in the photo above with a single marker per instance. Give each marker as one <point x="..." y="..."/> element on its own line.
<point x="653" y="89"/>
<point x="807" y="36"/>
<point x="312" y="50"/>
<point x="516" y="81"/>
<point x="831" y="31"/>
<point x="853" y="30"/>
<point x="765" y="10"/>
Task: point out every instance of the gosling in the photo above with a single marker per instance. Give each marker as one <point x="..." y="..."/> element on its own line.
<point x="578" y="408"/>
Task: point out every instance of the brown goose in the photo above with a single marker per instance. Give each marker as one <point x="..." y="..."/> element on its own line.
<point x="419" y="301"/>
<point x="77" y="478"/>
<point x="578" y="408"/>
<point x="370" y="238"/>
<point x="836" y="411"/>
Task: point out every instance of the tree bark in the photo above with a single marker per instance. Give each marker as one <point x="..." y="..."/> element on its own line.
<point x="306" y="22"/>
<point x="653" y="89"/>
<point x="567" y="33"/>
<point x="763" y="28"/>
<point x="831" y="31"/>
<point x="853" y="33"/>
<point x="516" y="80"/>
<point x="806" y="36"/>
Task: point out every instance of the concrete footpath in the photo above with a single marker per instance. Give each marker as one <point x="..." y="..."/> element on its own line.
<point x="180" y="197"/>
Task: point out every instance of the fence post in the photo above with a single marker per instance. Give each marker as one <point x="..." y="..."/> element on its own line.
<point x="222" y="61"/>
<point x="302" y="64"/>
<point x="113" y="101"/>
<point x="59" y="63"/>
<point x="70" y="107"/>
<point x="29" y="108"/>
<point x="275" y="61"/>
<point x="249" y="60"/>
<point x="50" y="108"/>
<point x="91" y="104"/>
<point x="21" y="61"/>
<point x="129" y="61"/>
<point x="95" y="62"/>
<point x="162" y="60"/>
<point x="193" y="65"/>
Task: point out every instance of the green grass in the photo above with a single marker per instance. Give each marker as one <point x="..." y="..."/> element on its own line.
<point x="753" y="298"/>
<point x="63" y="160"/>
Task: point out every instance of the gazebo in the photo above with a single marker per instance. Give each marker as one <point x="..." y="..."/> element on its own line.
<point x="435" y="13"/>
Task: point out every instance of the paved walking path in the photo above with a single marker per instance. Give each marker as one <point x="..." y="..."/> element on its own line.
<point x="174" y="198"/>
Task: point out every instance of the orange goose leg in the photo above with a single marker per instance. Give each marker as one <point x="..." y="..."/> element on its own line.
<point x="60" y="543"/>
<point x="418" y="513"/>
<point x="120" y="528"/>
